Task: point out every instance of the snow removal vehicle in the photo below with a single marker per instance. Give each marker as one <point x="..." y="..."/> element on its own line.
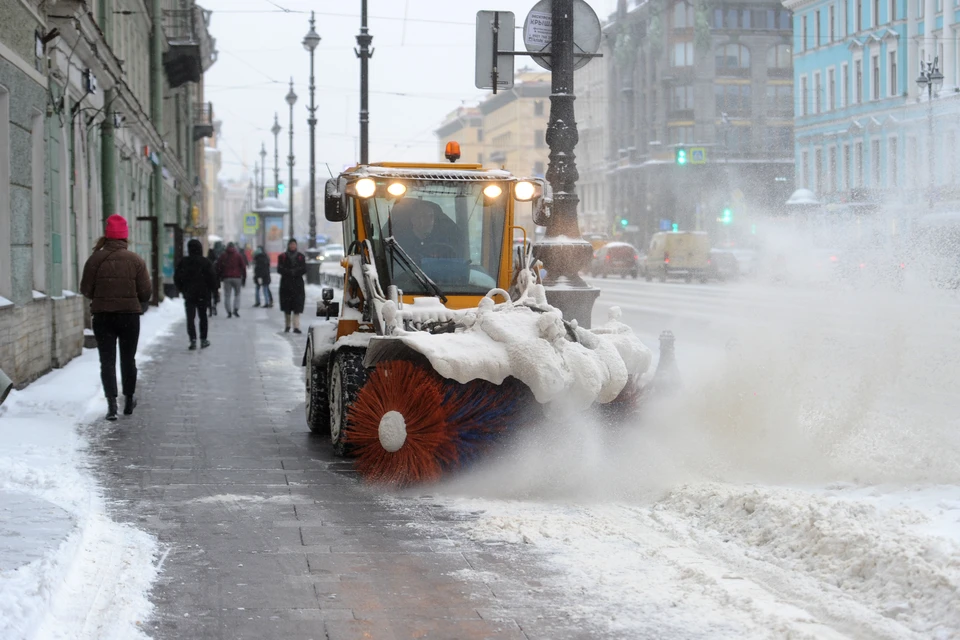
<point x="444" y="340"/>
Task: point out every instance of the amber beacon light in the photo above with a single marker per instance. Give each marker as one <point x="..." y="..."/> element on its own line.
<point x="452" y="152"/>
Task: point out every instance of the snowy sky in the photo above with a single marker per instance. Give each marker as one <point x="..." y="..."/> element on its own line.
<point x="422" y="69"/>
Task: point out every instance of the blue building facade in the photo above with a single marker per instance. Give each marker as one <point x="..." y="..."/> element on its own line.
<point x="864" y="130"/>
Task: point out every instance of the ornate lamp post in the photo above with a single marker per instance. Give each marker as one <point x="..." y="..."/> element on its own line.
<point x="364" y="52"/>
<point x="930" y="79"/>
<point x="291" y="100"/>
<point x="310" y="42"/>
<point x="563" y="251"/>
<point x="275" y="130"/>
<point x="263" y="167"/>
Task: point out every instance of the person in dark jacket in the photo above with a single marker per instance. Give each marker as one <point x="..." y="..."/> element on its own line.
<point x="292" y="266"/>
<point x="215" y="294"/>
<point x="232" y="271"/>
<point x="196" y="281"/>
<point x="261" y="277"/>
<point x="118" y="284"/>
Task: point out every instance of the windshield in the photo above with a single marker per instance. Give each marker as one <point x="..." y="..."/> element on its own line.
<point x="448" y="228"/>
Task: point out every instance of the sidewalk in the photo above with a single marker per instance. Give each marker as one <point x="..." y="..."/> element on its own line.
<point x="61" y="557"/>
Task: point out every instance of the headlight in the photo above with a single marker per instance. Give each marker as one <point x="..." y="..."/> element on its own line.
<point x="524" y="190"/>
<point x="365" y="187"/>
<point x="492" y="191"/>
<point x="397" y="189"/>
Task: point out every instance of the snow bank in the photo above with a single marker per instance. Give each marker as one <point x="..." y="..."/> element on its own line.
<point x="95" y="584"/>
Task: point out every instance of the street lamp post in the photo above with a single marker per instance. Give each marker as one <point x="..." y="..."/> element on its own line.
<point x="310" y="42"/>
<point x="930" y="79"/>
<point x="263" y="168"/>
<point x="563" y="251"/>
<point x="364" y="52"/>
<point x="275" y="130"/>
<point x="291" y="100"/>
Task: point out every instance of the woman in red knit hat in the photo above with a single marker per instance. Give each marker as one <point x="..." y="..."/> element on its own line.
<point x="118" y="283"/>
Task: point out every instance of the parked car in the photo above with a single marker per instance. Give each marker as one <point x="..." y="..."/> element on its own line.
<point x="332" y="252"/>
<point x="616" y="258"/>
<point x="678" y="254"/>
<point x="723" y="266"/>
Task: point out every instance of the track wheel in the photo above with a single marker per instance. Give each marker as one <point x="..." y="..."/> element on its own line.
<point x="318" y="407"/>
<point x="347" y="376"/>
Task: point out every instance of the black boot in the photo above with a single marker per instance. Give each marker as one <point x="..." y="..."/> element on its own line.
<point x="129" y="404"/>
<point x="111" y="409"/>
<point x="193" y="345"/>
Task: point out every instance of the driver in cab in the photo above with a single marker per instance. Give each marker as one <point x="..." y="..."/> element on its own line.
<point x="422" y="229"/>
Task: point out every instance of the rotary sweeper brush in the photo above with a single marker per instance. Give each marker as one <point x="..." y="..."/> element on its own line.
<point x="444" y="340"/>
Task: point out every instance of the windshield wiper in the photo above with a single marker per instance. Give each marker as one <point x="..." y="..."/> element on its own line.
<point x="413" y="268"/>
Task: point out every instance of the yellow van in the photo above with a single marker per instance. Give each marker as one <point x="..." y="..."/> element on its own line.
<point x="678" y="254"/>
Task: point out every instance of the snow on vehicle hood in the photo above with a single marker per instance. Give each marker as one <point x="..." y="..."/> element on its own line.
<point x="532" y="344"/>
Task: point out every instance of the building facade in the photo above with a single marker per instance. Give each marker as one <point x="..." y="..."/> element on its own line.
<point x="715" y="77"/>
<point x="592" y="152"/>
<point x="865" y="131"/>
<point x="96" y="118"/>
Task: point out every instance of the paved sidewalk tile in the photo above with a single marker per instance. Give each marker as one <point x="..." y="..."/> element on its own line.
<point x="265" y="534"/>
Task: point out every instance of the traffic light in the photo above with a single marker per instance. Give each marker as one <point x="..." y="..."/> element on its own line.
<point x="681" y="156"/>
<point x="675" y="227"/>
<point x="727" y="216"/>
<point x="624" y="222"/>
<point x="281" y="189"/>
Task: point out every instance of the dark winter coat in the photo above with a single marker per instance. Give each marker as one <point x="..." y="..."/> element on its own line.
<point x="195" y="277"/>
<point x="261" y="268"/>
<point x="116" y="280"/>
<point x="231" y="264"/>
<point x="292" y="266"/>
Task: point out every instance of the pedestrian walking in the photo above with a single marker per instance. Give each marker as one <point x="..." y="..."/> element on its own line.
<point x="232" y="271"/>
<point x="215" y="294"/>
<point x="261" y="277"/>
<point x="118" y="284"/>
<point x="292" y="266"/>
<point x="196" y="281"/>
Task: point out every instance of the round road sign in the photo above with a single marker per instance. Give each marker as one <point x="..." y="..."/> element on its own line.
<point x="538" y="31"/>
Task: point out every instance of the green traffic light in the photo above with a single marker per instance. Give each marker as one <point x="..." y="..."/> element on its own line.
<point x="676" y="227"/>
<point x="281" y="189"/>
<point x="727" y="217"/>
<point x="624" y="222"/>
<point x="681" y="156"/>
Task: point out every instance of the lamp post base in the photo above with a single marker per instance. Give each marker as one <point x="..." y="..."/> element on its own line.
<point x="566" y="290"/>
<point x="313" y="266"/>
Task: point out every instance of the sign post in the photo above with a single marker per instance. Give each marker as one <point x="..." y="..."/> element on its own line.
<point x="495" y="35"/>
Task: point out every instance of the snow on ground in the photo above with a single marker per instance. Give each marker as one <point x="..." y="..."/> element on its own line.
<point x="94" y="584"/>
<point x="804" y="484"/>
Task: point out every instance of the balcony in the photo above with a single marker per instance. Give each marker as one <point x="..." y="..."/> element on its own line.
<point x="202" y="121"/>
<point x="183" y="60"/>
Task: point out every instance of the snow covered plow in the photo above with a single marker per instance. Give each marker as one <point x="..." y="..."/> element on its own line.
<point x="444" y="340"/>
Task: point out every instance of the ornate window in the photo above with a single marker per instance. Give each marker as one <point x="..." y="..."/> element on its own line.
<point x="683" y="16"/>
<point x="732" y="56"/>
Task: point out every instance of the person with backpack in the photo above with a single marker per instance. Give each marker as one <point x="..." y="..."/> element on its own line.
<point x="117" y="282"/>
<point x="261" y="277"/>
<point x="196" y="281"/>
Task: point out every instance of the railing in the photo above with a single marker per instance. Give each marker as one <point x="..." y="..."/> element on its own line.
<point x="179" y="25"/>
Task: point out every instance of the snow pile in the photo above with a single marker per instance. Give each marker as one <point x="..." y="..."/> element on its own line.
<point x="534" y="346"/>
<point x="874" y="557"/>
<point x="94" y="584"/>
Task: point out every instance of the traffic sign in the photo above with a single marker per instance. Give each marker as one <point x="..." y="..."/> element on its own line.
<point x="251" y="222"/>
<point x="538" y="31"/>
<point x="495" y="29"/>
<point x="698" y="155"/>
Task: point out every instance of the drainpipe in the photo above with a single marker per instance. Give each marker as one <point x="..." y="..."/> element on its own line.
<point x="156" y="116"/>
<point x="108" y="147"/>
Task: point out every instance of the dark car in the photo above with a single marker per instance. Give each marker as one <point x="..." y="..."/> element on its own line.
<point x="723" y="266"/>
<point x="616" y="258"/>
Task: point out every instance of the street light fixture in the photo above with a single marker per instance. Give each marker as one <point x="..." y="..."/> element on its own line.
<point x="310" y="42"/>
<point x="930" y="79"/>
<point x="291" y="100"/>
<point x="275" y="130"/>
